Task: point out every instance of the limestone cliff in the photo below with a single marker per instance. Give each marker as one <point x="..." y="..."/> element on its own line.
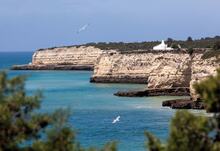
<point x="201" y="69"/>
<point x="63" y="58"/>
<point x="158" y="69"/>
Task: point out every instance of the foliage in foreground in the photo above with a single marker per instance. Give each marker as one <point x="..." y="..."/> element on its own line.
<point x="189" y="132"/>
<point x="23" y="129"/>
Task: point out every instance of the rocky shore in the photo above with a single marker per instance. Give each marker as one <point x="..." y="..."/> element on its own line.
<point x="181" y="91"/>
<point x="53" y="67"/>
<point x="163" y="72"/>
<point x="184" y="104"/>
<point x="174" y="104"/>
<point x="121" y="79"/>
<point x="170" y="73"/>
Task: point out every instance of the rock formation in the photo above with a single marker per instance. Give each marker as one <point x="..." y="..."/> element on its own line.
<point x="63" y="58"/>
<point x="201" y="69"/>
<point x="184" y="104"/>
<point x="172" y="71"/>
<point x="179" y="91"/>
<point x="159" y="70"/>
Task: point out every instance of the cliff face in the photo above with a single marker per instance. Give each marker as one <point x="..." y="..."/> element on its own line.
<point x="159" y="70"/>
<point x="201" y="69"/>
<point x="63" y="58"/>
<point x="85" y="56"/>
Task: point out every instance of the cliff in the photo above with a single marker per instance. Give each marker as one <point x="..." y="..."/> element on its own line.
<point x="63" y="58"/>
<point x="201" y="69"/>
<point x="158" y="69"/>
<point x="170" y="71"/>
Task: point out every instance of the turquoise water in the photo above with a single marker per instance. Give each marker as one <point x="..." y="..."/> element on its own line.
<point x="94" y="105"/>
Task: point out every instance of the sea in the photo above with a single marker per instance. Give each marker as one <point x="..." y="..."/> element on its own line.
<point x="93" y="106"/>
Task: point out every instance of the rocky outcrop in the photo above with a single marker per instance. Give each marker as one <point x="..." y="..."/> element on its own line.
<point x="180" y="91"/>
<point x="63" y="58"/>
<point x="201" y="69"/>
<point x="160" y="70"/>
<point x="52" y="67"/>
<point x="184" y="104"/>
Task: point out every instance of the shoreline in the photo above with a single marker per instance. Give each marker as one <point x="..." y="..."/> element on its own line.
<point x="52" y="67"/>
<point x="184" y="104"/>
<point x="122" y="79"/>
<point x="165" y="73"/>
<point x="173" y="104"/>
<point x="179" y="91"/>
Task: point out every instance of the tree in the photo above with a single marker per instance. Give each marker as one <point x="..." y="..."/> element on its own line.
<point x="193" y="132"/>
<point x="169" y="41"/>
<point x="189" y="39"/>
<point x="174" y="46"/>
<point x="216" y="46"/>
<point x="190" y="51"/>
<point x="189" y="132"/>
<point x="22" y="129"/>
<point x="209" y="91"/>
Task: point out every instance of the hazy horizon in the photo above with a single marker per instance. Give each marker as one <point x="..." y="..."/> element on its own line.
<point x="29" y="25"/>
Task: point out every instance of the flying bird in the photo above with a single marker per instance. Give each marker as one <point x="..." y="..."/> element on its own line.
<point x="116" y="120"/>
<point x="83" y="28"/>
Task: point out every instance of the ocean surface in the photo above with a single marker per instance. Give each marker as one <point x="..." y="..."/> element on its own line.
<point x="94" y="106"/>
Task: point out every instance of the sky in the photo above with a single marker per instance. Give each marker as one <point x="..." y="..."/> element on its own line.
<point x="27" y="25"/>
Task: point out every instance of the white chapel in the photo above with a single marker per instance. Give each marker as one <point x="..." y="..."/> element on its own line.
<point x="162" y="46"/>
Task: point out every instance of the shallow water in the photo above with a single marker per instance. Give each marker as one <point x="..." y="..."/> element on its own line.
<point x="94" y="106"/>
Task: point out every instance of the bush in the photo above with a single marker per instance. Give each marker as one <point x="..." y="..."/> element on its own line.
<point x="190" y="51"/>
<point x="216" y="46"/>
<point x="175" y="46"/>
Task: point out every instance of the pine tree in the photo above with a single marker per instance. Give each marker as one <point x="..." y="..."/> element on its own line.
<point x="23" y="129"/>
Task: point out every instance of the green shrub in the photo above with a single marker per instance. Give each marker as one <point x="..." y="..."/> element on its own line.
<point x="189" y="132"/>
<point x="216" y="46"/>
<point x="190" y="51"/>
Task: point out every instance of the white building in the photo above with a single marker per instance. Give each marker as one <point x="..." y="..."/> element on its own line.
<point x="162" y="46"/>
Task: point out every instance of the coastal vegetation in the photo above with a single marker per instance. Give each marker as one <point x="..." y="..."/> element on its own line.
<point x="207" y="42"/>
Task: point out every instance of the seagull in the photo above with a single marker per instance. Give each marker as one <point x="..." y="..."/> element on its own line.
<point x="84" y="27"/>
<point x="116" y="120"/>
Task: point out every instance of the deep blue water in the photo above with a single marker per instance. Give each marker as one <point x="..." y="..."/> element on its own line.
<point x="94" y="105"/>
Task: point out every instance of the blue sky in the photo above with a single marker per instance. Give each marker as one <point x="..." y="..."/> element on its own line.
<point x="26" y="25"/>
